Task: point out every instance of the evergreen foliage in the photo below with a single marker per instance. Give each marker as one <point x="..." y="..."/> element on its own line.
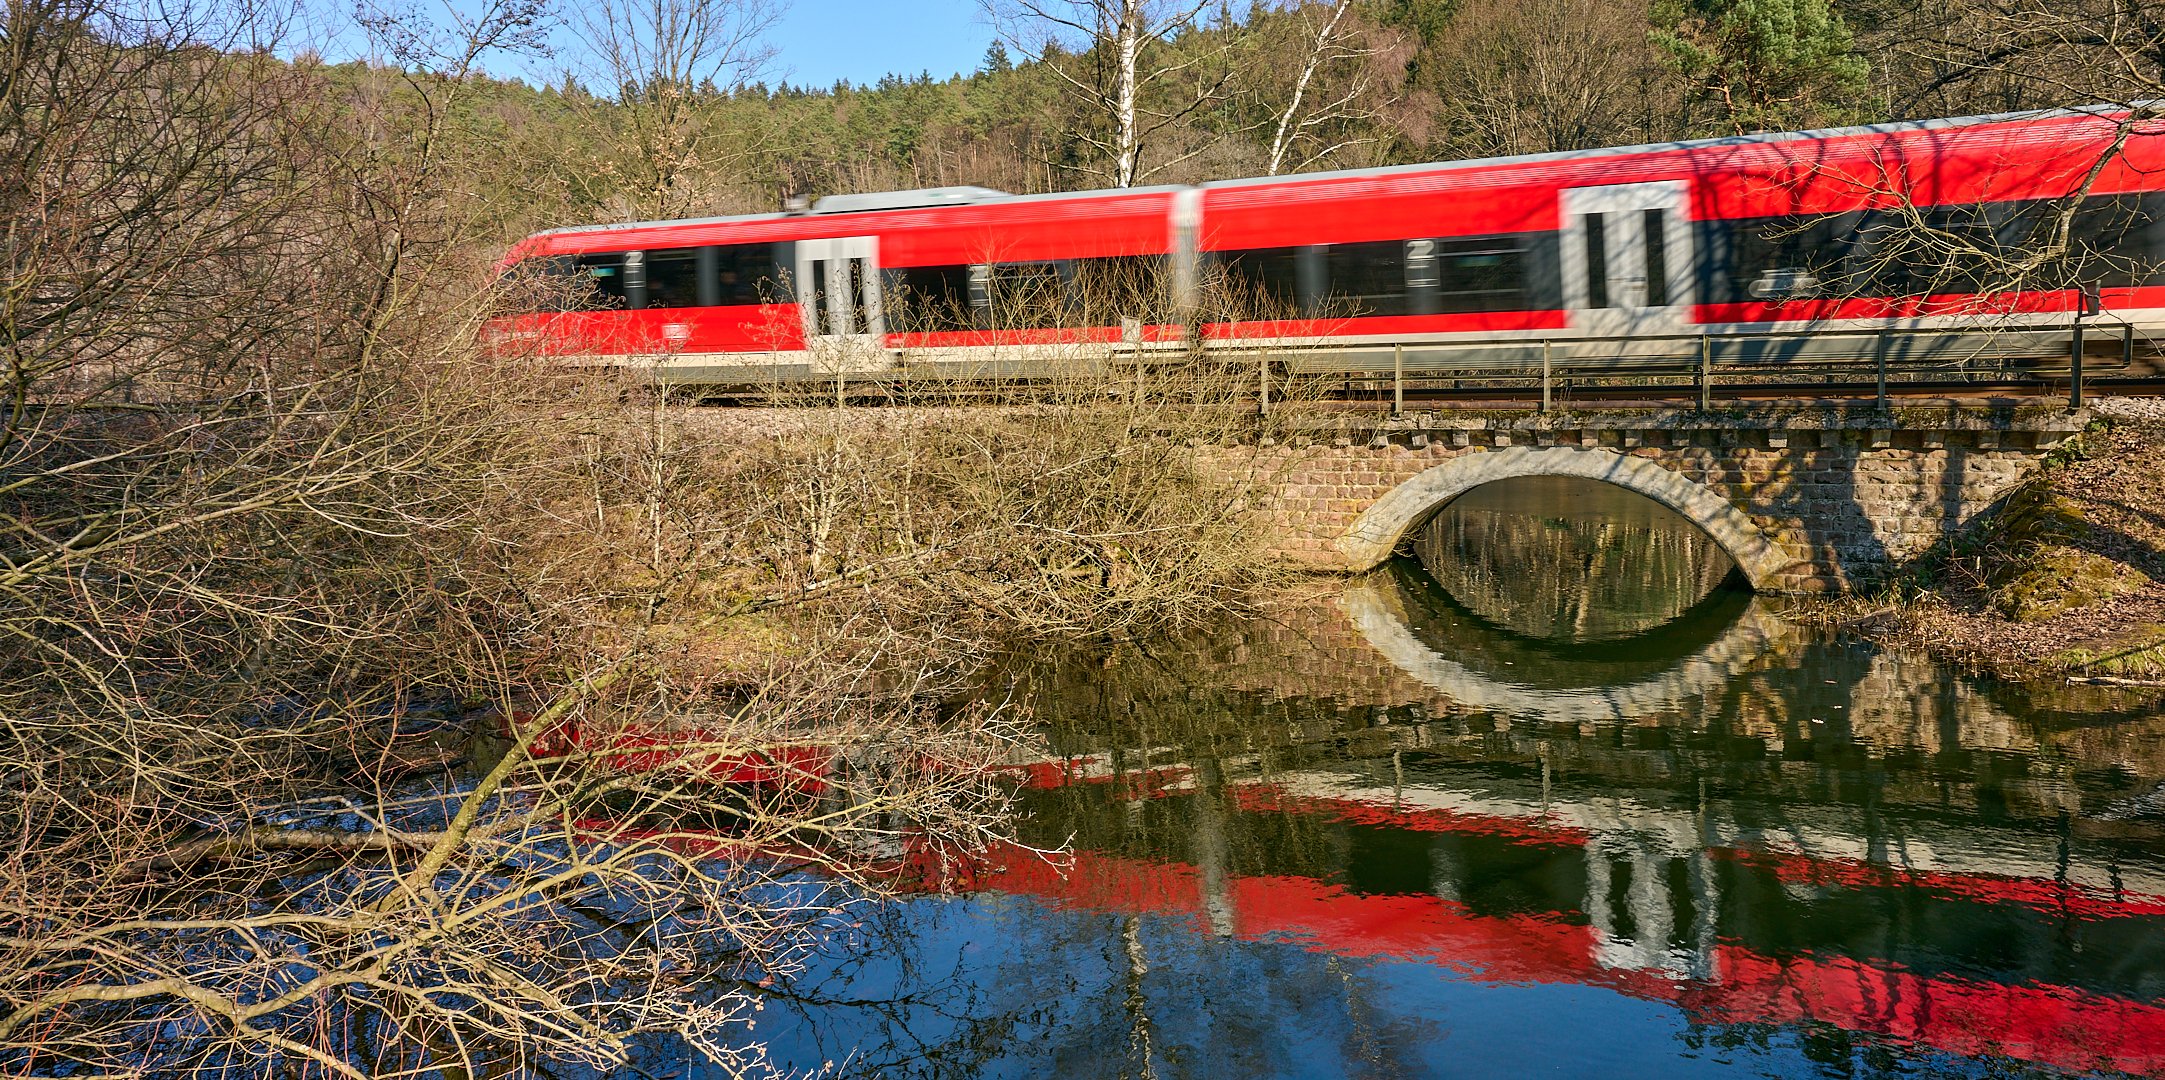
<point x="1440" y="80"/>
<point x="1767" y="65"/>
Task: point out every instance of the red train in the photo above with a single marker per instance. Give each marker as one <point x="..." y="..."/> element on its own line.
<point x="1619" y="254"/>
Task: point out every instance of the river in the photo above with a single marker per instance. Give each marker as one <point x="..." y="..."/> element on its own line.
<point x="1565" y="802"/>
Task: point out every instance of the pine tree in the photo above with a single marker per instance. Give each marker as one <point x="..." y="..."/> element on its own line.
<point x="996" y="60"/>
<point x="1767" y="64"/>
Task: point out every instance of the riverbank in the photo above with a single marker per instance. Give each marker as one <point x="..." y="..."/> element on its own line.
<point x="2066" y="579"/>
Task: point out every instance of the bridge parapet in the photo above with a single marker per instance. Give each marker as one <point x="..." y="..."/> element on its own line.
<point x="1806" y="500"/>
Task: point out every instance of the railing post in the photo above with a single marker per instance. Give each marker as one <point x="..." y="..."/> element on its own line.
<point x="2086" y="305"/>
<point x="1879" y="367"/>
<point x="2074" y="366"/>
<point x="1398" y="380"/>
<point x="1547" y="397"/>
<point x="1706" y="373"/>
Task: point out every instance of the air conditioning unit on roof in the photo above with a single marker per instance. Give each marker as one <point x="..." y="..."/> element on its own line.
<point x="905" y="200"/>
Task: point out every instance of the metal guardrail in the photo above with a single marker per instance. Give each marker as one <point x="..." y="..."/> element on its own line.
<point x="2046" y="355"/>
<point x="2029" y="359"/>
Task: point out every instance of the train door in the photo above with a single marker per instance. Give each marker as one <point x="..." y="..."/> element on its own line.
<point x="838" y="296"/>
<point x="1627" y="259"/>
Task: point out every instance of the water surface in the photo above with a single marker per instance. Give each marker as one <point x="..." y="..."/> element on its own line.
<point x="1376" y="832"/>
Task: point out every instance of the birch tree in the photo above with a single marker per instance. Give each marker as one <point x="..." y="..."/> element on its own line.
<point x="1123" y="59"/>
<point x="1333" y="90"/>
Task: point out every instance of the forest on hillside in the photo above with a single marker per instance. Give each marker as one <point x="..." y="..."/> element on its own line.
<point x="669" y="113"/>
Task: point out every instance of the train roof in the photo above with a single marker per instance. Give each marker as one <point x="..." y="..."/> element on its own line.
<point x="1756" y="139"/>
<point x="878" y="202"/>
<point x="847" y="205"/>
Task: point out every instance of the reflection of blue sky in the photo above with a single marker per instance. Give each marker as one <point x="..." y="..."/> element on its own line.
<point x="1006" y="987"/>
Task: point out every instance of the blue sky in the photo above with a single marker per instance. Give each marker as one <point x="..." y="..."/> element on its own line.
<point x="816" y="42"/>
<point x="819" y="41"/>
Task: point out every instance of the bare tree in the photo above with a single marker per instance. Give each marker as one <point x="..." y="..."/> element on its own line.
<point x="1138" y="66"/>
<point x="2107" y="56"/>
<point x="309" y="758"/>
<point x="663" y="65"/>
<point x="1534" y="76"/>
<point x="2059" y="54"/>
<point x="375" y="703"/>
<point x="1334" y="88"/>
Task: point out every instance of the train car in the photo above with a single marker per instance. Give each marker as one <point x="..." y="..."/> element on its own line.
<point x="948" y="281"/>
<point x="1763" y="249"/>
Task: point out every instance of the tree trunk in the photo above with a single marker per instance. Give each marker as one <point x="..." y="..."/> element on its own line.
<point x="1129" y="45"/>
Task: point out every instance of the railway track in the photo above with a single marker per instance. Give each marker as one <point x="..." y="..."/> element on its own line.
<point x="1914" y="391"/>
<point x="1413" y="396"/>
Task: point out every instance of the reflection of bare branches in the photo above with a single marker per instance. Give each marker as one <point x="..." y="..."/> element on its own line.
<point x="1136" y="1001"/>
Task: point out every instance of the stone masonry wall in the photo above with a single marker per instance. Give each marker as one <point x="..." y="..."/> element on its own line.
<point x="1847" y="496"/>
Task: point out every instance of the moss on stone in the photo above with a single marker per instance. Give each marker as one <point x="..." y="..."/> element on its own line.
<point x="2039" y="516"/>
<point x="2138" y="653"/>
<point x="2052" y="580"/>
<point x="2035" y="566"/>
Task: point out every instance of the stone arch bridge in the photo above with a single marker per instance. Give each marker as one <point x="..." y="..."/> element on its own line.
<point x="1813" y="500"/>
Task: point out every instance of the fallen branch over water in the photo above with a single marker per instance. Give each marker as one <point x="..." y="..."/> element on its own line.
<point x="2109" y="680"/>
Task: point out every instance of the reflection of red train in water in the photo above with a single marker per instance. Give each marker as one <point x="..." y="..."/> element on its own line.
<point x="1729" y="922"/>
<point x="1584" y="255"/>
<point x="1636" y="912"/>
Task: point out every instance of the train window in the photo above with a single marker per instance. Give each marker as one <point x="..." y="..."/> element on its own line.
<point x="1655" y="226"/>
<point x="1914" y="251"/>
<point x="1105" y="291"/>
<point x="2116" y="241"/>
<point x="672" y="278"/>
<point x="601" y="282"/>
<point x="1911" y="251"/>
<point x="1467" y="273"/>
<point x="1783" y="258"/>
<point x="1265" y="283"/>
<point x="858" y="315"/>
<point x="549" y="283"/>
<point x="1597" y="262"/>
<point x="930" y="298"/>
<point x="1366" y="279"/>
<point x="668" y="278"/>
<point x="748" y="273"/>
<point x="827" y="307"/>
<point x="1026" y="294"/>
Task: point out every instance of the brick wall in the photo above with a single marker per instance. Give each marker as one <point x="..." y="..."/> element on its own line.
<point x="1845" y="499"/>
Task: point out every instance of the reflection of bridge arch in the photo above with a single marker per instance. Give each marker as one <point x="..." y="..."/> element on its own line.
<point x="1381" y="618"/>
<point x="1380" y="528"/>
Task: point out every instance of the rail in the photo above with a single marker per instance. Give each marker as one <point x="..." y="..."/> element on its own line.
<point x="2026" y="360"/>
<point x="2059" y="359"/>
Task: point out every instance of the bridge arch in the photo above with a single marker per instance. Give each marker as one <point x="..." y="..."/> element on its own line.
<point x="1380" y="616"/>
<point x="1380" y="528"/>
